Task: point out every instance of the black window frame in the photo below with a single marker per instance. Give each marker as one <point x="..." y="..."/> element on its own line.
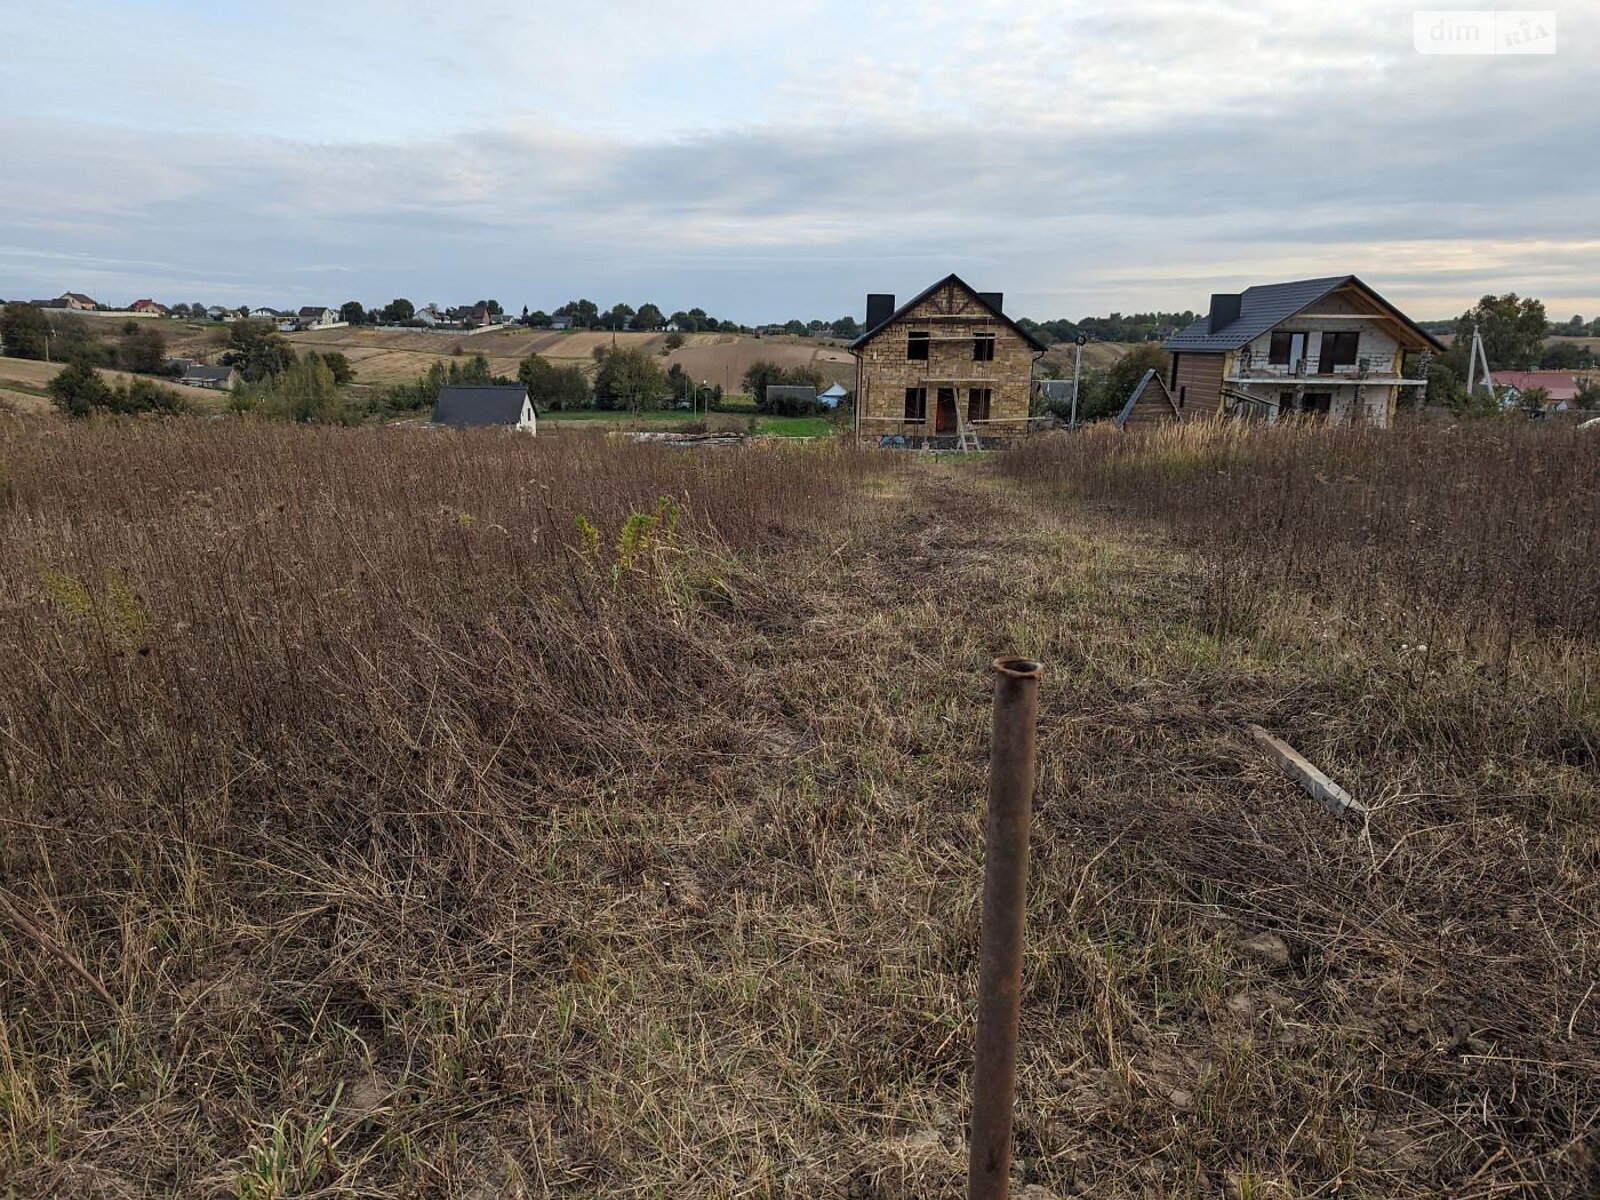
<point x="980" y="402"/>
<point x="916" y="411"/>
<point x="983" y="347"/>
<point x="918" y="340"/>
<point x="1325" y="361"/>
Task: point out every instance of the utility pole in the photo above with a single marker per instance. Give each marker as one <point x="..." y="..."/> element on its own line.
<point x="1476" y="358"/>
<point x="1077" y="372"/>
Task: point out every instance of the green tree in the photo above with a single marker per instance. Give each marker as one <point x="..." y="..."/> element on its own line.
<point x="648" y="317"/>
<point x="1513" y="330"/>
<point x="351" y="312"/>
<point x="846" y="327"/>
<point x="585" y="314"/>
<point x="258" y="350"/>
<point x="143" y="348"/>
<point x="674" y="342"/>
<point x="24" y="330"/>
<point x="78" y="390"/>
<point x="397" y="310"/>
<point x="337" y="363"/>
<point x="1112" y="389"/>
<point x="759" y="376"/>
<point x="1566" y="356"/>
<point x="617" y="318"/>
<point x="470" y="371"/>
<point x="553" y="387"/>
<point x="630" y="379"/>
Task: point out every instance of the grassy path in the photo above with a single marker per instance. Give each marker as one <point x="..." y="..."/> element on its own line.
<point x="728" y="949"/>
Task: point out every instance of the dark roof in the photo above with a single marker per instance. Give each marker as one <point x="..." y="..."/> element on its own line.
<point x="211" y="374"/>
<point x="1266" y="305"/>
<point x="791" y="391"/>
<point x="923" y="295"/>
<point x="316" y="311"/>
<point x="1139" y="390"/>
<point x="486" y="404"/>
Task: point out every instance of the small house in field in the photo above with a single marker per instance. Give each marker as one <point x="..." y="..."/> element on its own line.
<point x="150" y="308"/>
<point x="1328" y="348"/>
<point x="833" y="397"/>
<point x="1560" y="388"/>
<point x="78" y="301"/>
<point x="1149" y="404"/>
<point x="317" y="317"/>
<point x="946" y="366"/>
<point x="503" y="406"/>
<point x="217" y="379"/>
<point x="561" y="324"/>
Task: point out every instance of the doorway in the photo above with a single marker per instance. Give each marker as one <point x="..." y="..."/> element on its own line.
<point x="945" y="422"/>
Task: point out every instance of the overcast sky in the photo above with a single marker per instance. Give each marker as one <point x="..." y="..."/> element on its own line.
<point x="767" y="160"/>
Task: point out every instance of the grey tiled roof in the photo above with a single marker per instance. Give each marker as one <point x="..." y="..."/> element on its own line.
<point x="489" y="404"/>
<point x="1263" y="307"/>
<point x="1260" y="308"/>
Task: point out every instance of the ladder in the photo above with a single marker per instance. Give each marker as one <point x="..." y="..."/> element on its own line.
<point x="966" y="441"/>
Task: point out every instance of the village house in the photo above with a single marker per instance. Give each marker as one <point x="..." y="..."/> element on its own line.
<point x="266" y="314"/>
<point x="505" y="406"/>
<point x="150" y="308"/>
<point x="317" y="317"/>
<point x="947" y="369"/>
<point x="561" y="324"/>
<point x="1560" y="388"/>
<point x="78" y="300"/>
<point x="1331" y="348"/>
<point x="218" y="379"/>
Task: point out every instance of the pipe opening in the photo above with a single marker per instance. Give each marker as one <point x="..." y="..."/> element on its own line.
<point x="1019" y="668"/>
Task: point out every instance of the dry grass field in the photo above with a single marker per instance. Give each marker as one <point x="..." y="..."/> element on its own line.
<point x="374" y="826"/>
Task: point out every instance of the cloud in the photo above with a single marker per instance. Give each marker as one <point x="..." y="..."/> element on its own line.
<point x="1079" y="156"/>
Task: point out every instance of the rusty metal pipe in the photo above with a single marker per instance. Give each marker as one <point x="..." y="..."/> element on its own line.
<point x="1005" y="904"/>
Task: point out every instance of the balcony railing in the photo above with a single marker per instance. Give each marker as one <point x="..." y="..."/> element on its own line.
<point x="1366" y="366"/>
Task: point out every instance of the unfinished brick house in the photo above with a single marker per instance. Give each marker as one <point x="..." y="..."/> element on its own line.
<point x="1324" y="348"/>
<point x="947" y="370"/>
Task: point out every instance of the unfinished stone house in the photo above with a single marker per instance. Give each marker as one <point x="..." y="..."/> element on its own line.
<point x="1327" y="348"/>
<point x="946" y="370"/>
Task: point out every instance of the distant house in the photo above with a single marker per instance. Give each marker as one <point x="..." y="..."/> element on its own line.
<point x="834" y="396"/>
<point x="57" y="303"/>
<point x="266" y="314"/>
<point x="946" y="367"/>
<point x="316" y="317"/>
<point x="78" y="300"/>
<point x="217" y="313"/>
<point x="218" y="379"/>
<point x="1149" y="403"/>
<point x="1330" y="348"/>
<point x="561" y="324"/>
<point x="476" y="316"/>
<point x="1560" y="387"/>
<point x="504" y="406"/>
<point x="429" y="315"/>
<point x="150" y="307"/>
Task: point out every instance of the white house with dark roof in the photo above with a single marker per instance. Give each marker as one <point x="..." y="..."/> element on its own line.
<point x="1331" y="348"/>
<point x="472" y="406"/>
<point x="218" y="379"/>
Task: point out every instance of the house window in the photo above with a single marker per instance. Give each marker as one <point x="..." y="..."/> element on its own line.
<point x="917" y="404"/>
<point x="1338" y="351"/>
<point x="917" y="347"/>
<point x="1287" y="349"/>
<point x="1316" y="404"/>
<point x="978" y="404"/>
<point x="983" y="348"/>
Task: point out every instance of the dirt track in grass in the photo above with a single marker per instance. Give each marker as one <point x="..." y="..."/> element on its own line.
<point x="736" y="956"/>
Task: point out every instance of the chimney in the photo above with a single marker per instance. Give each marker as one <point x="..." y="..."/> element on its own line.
<point x="880" y="307"/>
<point x="995" y="300"/>
<point x="1224" y="310"/>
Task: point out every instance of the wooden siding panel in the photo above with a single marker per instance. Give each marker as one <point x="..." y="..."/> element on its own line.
<point x="1197" y="380"/>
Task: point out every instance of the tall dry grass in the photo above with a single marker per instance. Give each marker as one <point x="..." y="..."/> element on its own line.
<point x="294" y="720"/>
<point x="1480" y="533"/>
